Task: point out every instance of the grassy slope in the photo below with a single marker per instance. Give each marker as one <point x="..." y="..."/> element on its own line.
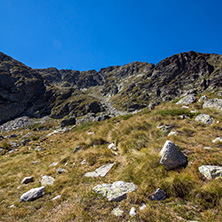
<point x="190" y="196"/>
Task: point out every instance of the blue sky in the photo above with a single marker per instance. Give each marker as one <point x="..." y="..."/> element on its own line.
<point x="92" y="34"/>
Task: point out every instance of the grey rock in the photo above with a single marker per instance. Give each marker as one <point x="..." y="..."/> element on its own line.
<point x="202" y="98"/>
<point x="41" y="149"/>
<point x="112" y="146"/>
<point x="211" y="172"/>
<point x="68" y="122"/>
<point x="158" y="195"/>
<point x="11" y="136"/>
<point x="12" y="151"/>
<point x="116" y="191"/>
<point x="27" y="180"/>
<point x="16" y="124"/>
<point x="165" y="128"/>
<point x="187" y="99"/>
<point x="60" y="170"/>
<point x="47" y="180"/>
<point x="13" y="144"/>
<point x="142" y="206"/>
<point x="53" y="164"/>
<point x="101" y="171"/>
<point x="117" y="212"/>
<point x="204" y="118"/>
<point x="32" y="194"/>
<point x="171" y="156"/>
<point x="1" y="150"/>
<point x="213" y="104"/>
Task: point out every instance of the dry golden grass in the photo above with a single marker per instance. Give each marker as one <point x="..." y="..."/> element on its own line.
<point x="190" y="196"/>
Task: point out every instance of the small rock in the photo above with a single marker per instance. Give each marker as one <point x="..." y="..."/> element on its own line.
<point x="164" y="128"/>
<point x="12" y="206"/>
<point x="172" y="133"/>
<point x="53" y="164"/>
<point x="12" y="151"/>
<point x="1" y="150"/>
<point x="41" y="149"/>
<point x="217" y="140"/>
<point x="142" y="206"/>
<point x="34" y="162"/>
<point x="90" y="133"/>
<point x="77" y="149"/>
<point x="183" y="117"/>
<point x="32" y="194"/>
<point x="171" y="156"/>
<point x="158" y="195"/>
<point x="1" y="137"/>
<point x="112" y="146"/>
<point x="57" y="197"/>
<point x="132" y="212"/>
<point x="193" y="111"/>
<point x="187" y="100"/>
<point x="27" y="180"/>
<point x="211" y="172"/>
<point x="185" y="107"/>
<point x="11" y="136"/>
<point x="116" y="191"/>
<point x="204" y="118"/>
<point x="47" y="180"/>
<point x="117" y="212"/>
<point x="207" y="148"/>
<point x="60" y="170"/>
<point x="14" y="144"/>
<point x="101" y="171"/>
<point x="83" y="162"/>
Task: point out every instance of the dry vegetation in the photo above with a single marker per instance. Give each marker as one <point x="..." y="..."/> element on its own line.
<point x="189" y="195"/>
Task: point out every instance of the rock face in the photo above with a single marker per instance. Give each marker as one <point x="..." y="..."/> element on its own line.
<point x="187" y="100"/>
<point x="171" y="156"/>
<point x="68" y="122"/>
<point x="158" y="195"/>
<point x="116" y="191"/>
<point x="204" y="118"/>
<point x="213" y="103"/>
<point x="211" y="172"/>
<point x="101" y="171"/>
<point x="32" y="194"/>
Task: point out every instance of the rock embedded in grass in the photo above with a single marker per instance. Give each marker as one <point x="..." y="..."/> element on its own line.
<point x="101" y="171"/>
<point x="27" y="180"/>
<point x="60" y="170"/>
<point x="213" y="103"/>
<point x="112" y="146"/>
<point x="32" y="194"/>
<point x="171" y="156"/>
<point x="116" y="191"/>
<point x="211" y="172"/>
<point x="117" y="212"/>
<point x="47" y="180"/>
<point x="158" y="195"/>
<point x="204" y="118"/>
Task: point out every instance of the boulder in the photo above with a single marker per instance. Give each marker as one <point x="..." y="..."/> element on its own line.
<point x="158" y="195"/>
<point x="101" y="171"/>
<point x="213" y="103"/>
<point x="211" y="172"/>
<point x="116" y="191"/>
<point x="187" y="99"/>
<point x="68" y="122"/>
<point x="27" y="180"/>
<point x="32" y="194"/>
<point x="171" y="156"/>
<point x="204" y="118"/>
<point x="47" y="180"/>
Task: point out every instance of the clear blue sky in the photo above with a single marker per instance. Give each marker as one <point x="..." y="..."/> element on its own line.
<point x="92" y="34"/>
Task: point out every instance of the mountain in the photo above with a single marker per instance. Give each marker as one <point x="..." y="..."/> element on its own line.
<point x="40" y="92"/>
<point x="139" y="142"/>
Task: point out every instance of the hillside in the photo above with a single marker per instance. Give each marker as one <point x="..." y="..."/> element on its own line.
<point x="68" y="125"/>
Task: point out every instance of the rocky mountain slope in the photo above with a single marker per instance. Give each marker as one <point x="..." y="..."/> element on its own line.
<point x="86" y="156"/>
<point x="58" y="93"/>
